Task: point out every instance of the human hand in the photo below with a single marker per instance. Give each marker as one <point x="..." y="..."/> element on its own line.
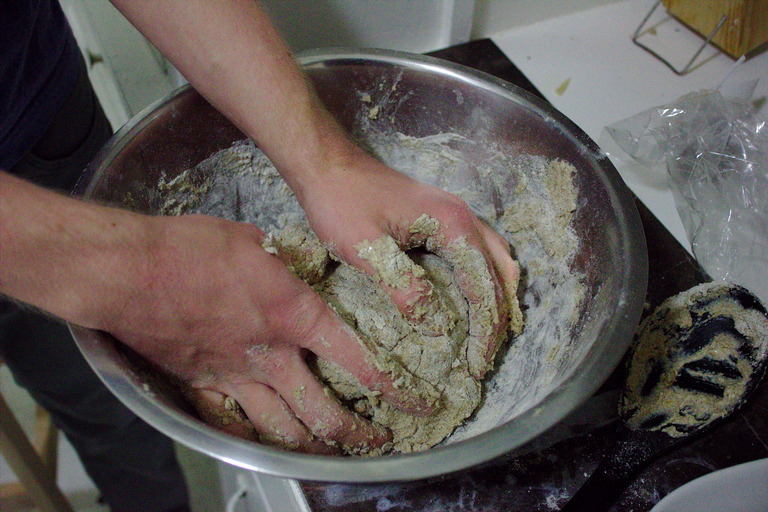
<point x="368" y="214"/>
<point x="217" y="311"/>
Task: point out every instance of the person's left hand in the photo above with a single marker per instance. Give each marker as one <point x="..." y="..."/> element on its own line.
<point x="360" y="202"/>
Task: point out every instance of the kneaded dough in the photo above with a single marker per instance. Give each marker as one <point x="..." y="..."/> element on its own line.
<point x="435" y="359"/>
<point x="438" y="354"/>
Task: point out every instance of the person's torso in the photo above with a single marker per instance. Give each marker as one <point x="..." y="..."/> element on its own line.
<point x="38" y="66"/>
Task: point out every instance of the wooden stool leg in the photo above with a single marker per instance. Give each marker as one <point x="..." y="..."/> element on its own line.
<point x="26" y="463"/>
<point x="46" y="441"/>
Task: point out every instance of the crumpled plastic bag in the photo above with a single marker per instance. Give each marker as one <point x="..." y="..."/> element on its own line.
<point x="714" y="151"/>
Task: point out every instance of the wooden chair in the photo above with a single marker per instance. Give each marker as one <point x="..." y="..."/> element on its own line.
<point x="34" y="463"/>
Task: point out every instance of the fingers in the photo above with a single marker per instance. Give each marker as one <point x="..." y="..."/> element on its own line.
<point x="222" y="412"/>
<point x="505" y="274"/>
<point x="480" y="287"/>
<point x="295" y="412"/>
<point x="483" y="269"/>
<point x="404" y="281"/>
<point x="322" y="413"/>
<point x="272" y="422"/>
<point x="488" y="277"/>
<point x="508" y="275"/>
<point x="335" y="341"/>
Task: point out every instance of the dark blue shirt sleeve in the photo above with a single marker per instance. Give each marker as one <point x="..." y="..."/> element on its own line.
<point x="38" y="68"/>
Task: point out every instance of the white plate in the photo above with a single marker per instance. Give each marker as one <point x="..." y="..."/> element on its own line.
<point x="742" y="488"/>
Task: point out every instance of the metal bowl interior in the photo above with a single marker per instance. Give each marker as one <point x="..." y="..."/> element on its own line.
<point x="424" y="96"/>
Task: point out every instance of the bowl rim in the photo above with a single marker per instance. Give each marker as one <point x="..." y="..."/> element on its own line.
<point x="598" y="362"/>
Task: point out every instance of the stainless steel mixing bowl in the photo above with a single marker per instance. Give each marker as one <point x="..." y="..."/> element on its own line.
<point x="425" y="96"/>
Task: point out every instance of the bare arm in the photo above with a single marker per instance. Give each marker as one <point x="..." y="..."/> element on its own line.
<point x="233" y="55"/>
<point x="57" y="254"/>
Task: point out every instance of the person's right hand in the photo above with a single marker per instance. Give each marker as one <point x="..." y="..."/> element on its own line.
<point x="216" y="310"/>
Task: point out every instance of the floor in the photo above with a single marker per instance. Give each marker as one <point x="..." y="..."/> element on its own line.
<point x="202" y="472"/>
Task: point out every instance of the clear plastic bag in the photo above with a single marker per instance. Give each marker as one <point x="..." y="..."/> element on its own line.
<point x="714" y="151"/>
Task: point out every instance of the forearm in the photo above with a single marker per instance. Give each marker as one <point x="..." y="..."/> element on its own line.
<point x="232" y="54"/>
<point x="63" y="255"/>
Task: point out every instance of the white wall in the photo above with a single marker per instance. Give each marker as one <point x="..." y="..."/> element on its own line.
<point x="492" y="16"/>
<point x="408" y="25"/>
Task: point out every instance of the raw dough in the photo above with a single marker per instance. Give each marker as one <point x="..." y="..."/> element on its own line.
<point x="241" y="184"/>
<point x="441" y="358"/>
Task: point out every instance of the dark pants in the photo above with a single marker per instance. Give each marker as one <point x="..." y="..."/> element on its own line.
<point x="133" y="465"/>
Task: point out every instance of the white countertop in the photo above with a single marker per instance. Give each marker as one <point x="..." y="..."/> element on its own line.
<point x="587" y="66"/>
